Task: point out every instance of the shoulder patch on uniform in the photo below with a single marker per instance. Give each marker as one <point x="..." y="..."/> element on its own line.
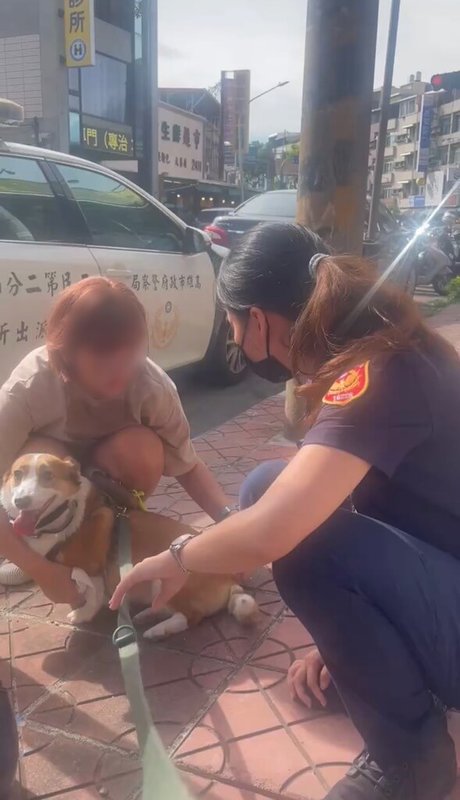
<point x="351" y="385"/>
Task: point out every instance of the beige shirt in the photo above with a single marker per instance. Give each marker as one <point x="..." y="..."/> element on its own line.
<point x="36" y="400"/>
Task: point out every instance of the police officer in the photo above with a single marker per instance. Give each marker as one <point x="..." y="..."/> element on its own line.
<point x="376" y="580"/>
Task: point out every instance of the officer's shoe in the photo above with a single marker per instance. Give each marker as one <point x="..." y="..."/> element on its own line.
<point x="430" y="777"/>
<point x="8" y="745"/>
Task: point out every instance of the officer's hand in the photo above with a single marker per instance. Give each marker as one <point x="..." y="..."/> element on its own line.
<point x="309" y="675"/>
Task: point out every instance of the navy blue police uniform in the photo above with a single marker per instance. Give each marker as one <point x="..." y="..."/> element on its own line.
<point x="378" y="586"/>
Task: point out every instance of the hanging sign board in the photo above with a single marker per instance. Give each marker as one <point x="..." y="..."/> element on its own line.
<point x="80" y="48"/>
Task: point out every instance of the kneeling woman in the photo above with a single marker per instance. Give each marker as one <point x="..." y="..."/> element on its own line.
<point x="378" y="586"/>
<point x="93" y="394"/>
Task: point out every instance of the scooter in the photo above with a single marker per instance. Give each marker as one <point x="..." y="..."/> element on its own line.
<point x="448" y="241"/>
<point x="430" y="263"/>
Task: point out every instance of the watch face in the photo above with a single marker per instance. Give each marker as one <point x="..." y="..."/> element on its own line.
<point x="180" y="541"/>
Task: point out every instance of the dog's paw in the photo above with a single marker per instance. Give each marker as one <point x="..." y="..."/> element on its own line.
<point x="152" y="635"/>
<point x="79" y="615"/>
<point x="175" y="624"/>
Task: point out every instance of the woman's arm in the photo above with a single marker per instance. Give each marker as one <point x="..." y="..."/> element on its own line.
<point x="203" y="488"/>
<point x="313" y="485"/>
<point x="164" y="413"/>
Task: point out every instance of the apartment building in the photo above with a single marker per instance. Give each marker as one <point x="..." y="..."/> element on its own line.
<point x="87" y="111"/>
<point x="422" y="148"/>
<point x="446" y="155"/>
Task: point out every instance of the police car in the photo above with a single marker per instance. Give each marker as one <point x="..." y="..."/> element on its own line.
<point x="63" y="218"/>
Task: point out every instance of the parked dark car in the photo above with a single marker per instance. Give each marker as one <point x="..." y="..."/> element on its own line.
<point x="267" y="207"/>
<point x="207" y="216"/>
<point x="280" y="206"/>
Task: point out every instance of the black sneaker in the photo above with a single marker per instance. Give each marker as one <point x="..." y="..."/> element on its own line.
<point x="430" y="777"/>
<point x="8" y="745"/>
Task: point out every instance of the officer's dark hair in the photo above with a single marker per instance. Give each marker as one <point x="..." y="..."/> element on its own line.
<point x="269" y="270"/>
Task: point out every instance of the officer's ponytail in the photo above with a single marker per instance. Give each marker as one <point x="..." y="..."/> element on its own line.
<point x="349" y="318"/>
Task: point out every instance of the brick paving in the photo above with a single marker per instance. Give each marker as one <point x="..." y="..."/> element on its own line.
<point x="218" y="692"/>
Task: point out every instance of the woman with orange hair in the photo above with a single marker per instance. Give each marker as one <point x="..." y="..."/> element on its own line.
<point x="375" y="579"/>
<point x="93" y="393"/>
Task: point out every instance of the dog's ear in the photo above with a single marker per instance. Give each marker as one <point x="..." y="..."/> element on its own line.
<point x="5" y="478"/>
<point x="74" y="473"/>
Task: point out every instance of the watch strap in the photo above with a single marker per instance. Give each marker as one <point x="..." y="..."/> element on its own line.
<point x="176" y="547"/>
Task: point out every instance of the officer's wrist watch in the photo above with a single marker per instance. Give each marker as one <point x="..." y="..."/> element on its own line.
<point x="176" y="547"/>
<point x="225" y="512"/>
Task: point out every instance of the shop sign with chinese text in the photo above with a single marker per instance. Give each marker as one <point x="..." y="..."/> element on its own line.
<point x="180" y="143"/>
<point x="107" y="140"/>
<point x="79" y="31"/>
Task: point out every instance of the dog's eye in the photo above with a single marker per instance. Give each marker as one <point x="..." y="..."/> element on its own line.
<point x="46" y="475"/>
<point x="17" y="476"/>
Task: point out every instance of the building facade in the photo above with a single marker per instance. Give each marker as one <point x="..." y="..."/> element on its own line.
<point x="235" y="99"/>
<point x="284" y="172"/>
<point x="88" y="111"/>
<point x="203" y="103"/>
<point x="422" y="148"/>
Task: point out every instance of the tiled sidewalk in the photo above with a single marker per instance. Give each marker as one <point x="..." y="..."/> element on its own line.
<point x="218" y="693"/>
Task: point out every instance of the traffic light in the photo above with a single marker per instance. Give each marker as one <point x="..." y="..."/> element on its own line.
<point x="446" y="80"/>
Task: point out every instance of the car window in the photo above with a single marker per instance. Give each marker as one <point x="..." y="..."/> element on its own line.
<point x="117" y="216"/>
<point x="29" y="210"/>
<point x="271" y="204"/>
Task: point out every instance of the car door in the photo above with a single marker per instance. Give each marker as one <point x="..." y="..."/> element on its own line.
<point x="39" y="254"/>
<point x="135" y="240"/>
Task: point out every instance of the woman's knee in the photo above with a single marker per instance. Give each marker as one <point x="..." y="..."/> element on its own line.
<point x="257" y="482"/>
<point x="357" y="554"/>
<point x="134" y="456"/>
<point x="334" y="554"/>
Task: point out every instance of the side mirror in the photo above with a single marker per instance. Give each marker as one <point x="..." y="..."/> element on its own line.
<point x="195" y="241"/>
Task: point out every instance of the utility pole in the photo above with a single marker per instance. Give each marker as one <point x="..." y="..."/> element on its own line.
<point x="239" y="135"/>
<point x="334" y="144"/>
<point x="239" y="129"/>
<point x="148" y="167"/>
<point x="384" y="115"/>
<point x="336" y="109"/>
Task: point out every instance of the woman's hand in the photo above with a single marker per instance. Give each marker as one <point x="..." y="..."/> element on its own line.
<point x="309" y="673"/>
<point x="161" y="568"/>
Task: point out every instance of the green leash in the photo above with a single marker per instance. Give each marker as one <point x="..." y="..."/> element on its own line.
<point x="160" y="779"/>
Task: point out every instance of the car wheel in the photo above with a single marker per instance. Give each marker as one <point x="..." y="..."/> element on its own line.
<point x="225" y="363"/>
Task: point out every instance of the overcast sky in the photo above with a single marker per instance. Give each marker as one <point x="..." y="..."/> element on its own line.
<point x="198" y="39"/>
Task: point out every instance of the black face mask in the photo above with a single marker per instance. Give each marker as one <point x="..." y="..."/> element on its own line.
<point x="268" y="368"/>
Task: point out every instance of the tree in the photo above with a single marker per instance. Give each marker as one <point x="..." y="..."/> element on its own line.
<point x="257" y="162"/>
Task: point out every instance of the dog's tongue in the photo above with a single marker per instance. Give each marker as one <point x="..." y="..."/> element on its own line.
<point x="24" y="524"/>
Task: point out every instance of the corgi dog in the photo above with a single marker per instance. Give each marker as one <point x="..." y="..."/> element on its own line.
<point x="61" y="515"/>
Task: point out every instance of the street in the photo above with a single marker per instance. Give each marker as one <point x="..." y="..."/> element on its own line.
<point x="209" y="406"/>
